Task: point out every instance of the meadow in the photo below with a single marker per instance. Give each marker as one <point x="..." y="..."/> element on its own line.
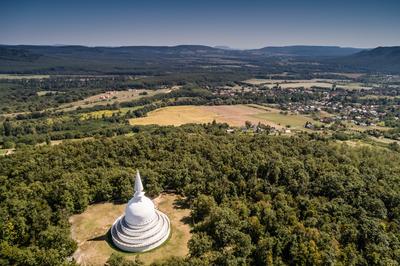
<point x="111" y="97"/>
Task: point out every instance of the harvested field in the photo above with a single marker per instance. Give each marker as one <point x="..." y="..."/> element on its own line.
<point x="234" y="115"/>
<point x="90" y="230"/>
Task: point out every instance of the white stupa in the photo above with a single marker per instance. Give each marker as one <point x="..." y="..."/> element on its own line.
<point x="142" y="227"/>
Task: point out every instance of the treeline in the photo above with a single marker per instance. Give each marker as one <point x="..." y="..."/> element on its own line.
<point x="255" y="199"/>
<point x="32" y="95"/>
<point x="40" y="127"/>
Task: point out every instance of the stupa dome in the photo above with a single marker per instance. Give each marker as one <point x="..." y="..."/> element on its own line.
<point x="142" y="227"/>
<point x="139" y="211"/>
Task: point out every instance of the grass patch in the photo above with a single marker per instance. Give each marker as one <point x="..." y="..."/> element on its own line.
<point x="292" y="120"/>
<point x="108" y="113"/>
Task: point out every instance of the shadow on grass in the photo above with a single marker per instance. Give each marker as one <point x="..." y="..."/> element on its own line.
<point x="187" y="220"/>
<point x="180" y="203"/>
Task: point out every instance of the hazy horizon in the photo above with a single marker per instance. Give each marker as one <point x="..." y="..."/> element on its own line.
<point x="183" y="44"/>
<point x="239" y="24"/>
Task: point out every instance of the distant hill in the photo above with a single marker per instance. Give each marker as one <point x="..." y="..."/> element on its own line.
<point x="306" y="51"/>
<point x="17" y="54"/>
<point x="378" y="59"/>
<point x="81" y="59"/>
<point x="154" y="60"/>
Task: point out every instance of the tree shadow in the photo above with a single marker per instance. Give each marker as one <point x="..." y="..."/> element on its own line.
<point x="108" y="239"/>
<point x="181" y="203"/>
<point x="187" y="220"/>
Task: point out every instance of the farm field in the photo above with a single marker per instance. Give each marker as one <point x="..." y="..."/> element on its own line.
<point x="90" y="230"/>
<point x="307" y="84"/>
<point x="234" y="115"/>
<point x="111" y="97"/>
<point x="379" y="97"/>
<point x="274" y="81"/>
<point x="15" y="76"/>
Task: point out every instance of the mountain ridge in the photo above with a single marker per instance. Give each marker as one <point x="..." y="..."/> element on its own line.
<point x="386" y="58"/>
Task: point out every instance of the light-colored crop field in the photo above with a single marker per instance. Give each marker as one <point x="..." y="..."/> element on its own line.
<point x="379" y="97"/>
<point x="15" y="76"/>
<point x="234" y="115"/>
<point x="307" y="84"/>
<point x="90" y="230"/>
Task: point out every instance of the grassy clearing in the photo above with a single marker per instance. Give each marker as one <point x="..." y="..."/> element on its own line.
<point x="108" y="113"/>
<point x="43" y="93"/>
<point x="111" y="97"/>
<point x="355" y="127"/>
<point x="292" y="120"/>
<point x="4" y="152"/>
<point x="384" y="140"/>
<point x="90" y="230"/>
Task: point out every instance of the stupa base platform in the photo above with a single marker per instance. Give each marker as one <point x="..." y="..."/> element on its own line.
<point x="141" y="238"/>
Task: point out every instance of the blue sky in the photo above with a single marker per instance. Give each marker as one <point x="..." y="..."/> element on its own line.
<point x="238" y="24"/>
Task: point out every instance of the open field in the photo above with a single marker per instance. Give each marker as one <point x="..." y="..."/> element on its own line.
<point x="234" y="115"/>
<point x="344" y="74"/>
<point x="15" y="76"/>
<point x="90" y="230"/>
<point x="108" y="113"/>
<point x="111" y="97"/>
<point x="4" y="152"/>
<point x="364" y="128"/>
<point x="43" y="93"/>
<point x="293" y="120"/>
<point x="379" y="97"/>
<point x="307" y="84"/>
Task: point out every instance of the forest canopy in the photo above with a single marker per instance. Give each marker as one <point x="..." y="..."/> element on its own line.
<point x="254" y="199"/>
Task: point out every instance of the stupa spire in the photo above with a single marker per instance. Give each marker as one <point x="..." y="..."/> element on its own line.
<point x="142" y="227"/>
<point x="138" y="185"/>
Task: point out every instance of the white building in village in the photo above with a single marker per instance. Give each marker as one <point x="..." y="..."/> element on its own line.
<point x="142" y="227"/>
